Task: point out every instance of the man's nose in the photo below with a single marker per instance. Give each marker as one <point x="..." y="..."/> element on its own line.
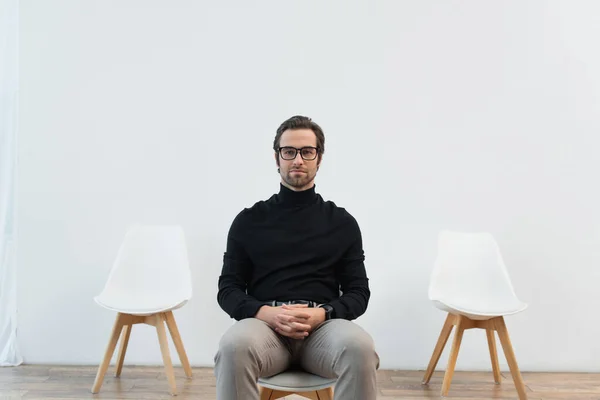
<point x="298" y="160"/>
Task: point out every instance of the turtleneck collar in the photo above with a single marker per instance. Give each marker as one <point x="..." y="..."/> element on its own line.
<point x="289" y="197"/>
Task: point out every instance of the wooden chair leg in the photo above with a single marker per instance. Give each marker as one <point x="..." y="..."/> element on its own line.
<point x="491" y="339"/>
<point x="178" y="343"/>
<point x="123" y="349"/>
<point x="439" y="348"/>
<point x="308" y="395"/>
<point x="164" y="349"/>
<point x="453" y="355"/>
<point x="325" y="394"/>
<point x="265" y="393"/>
<point x="110" y="349"/>
<point x="270" y="394"/>
<point x="510" y="357"/>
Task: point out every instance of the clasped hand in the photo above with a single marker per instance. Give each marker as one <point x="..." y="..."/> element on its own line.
<point x="296" y="320"/>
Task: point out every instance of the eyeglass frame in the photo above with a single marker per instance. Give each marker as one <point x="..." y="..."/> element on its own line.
<point x="299" y="150"/>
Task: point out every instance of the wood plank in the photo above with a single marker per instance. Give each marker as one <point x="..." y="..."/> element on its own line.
<point x="149" y="383"/>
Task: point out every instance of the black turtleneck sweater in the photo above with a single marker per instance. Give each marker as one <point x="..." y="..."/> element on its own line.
<point x="294" y="246"/>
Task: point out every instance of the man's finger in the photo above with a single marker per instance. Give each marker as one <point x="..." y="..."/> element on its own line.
<point x="296" y="313"/>
<point x="295" y="306"/>
<point x="286" y="321"/>
<point x="293" y="334"/>
<point x="283" y="327"/>
<point x="300" y="327"/>
<point x="289" y="318"/>
<point x="287" y="330"/>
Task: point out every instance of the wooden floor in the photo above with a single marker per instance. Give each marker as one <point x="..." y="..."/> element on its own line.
<point x="59" y="382"/>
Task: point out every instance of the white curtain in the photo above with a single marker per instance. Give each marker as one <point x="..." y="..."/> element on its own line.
<point x="9" y="86"/>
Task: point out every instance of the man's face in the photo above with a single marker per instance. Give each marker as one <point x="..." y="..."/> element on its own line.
<point x="298" y="174"/>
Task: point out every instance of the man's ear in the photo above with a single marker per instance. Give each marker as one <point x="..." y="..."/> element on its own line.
<point x="277" y="158"/>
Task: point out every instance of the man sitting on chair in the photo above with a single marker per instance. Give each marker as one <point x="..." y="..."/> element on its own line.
<point x="286" y="260"/>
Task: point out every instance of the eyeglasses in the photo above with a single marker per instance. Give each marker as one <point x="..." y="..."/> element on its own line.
<point x="290" y="153"/>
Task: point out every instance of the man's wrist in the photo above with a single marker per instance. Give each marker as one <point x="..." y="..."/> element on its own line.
<point x="263" y="314"/>
<point x="329" y="311"/>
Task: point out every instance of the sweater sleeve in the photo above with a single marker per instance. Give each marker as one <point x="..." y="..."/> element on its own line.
<point x="354" y="284"/>
<point x="233" y="281"/>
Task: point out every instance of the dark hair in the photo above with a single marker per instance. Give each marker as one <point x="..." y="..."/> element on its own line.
<point x="301" y="122"/>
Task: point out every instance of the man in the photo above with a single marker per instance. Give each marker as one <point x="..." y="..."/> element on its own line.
<point x="287" y="259"/>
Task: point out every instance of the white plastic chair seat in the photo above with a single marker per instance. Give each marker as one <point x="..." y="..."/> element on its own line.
<point x="151" y="272"/>
<point x="296" y="381"/>
<point x="483" y="311"/>
<point x="471" y="279"/>
<point x="129" y="303"/>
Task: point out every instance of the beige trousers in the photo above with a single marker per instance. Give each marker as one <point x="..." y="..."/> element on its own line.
<point x="335" y="349"/>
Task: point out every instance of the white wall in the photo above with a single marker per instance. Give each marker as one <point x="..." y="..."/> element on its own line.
<point x="451" y="114"/>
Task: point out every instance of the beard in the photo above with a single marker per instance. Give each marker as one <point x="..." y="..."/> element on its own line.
<point x="300" y="180"/>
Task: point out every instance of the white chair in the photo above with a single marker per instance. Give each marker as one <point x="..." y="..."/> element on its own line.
<point x="149" y="279"/>
<point x="470" y="282"/>
<point x="296" y="382"/>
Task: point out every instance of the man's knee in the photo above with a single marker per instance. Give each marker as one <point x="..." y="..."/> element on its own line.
<point x="356" y="346"/>
<point x="239" y="341"/>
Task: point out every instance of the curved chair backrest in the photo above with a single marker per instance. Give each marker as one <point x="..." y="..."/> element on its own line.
<point x="469" y="269"/>
<point x="152" y="260"/>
